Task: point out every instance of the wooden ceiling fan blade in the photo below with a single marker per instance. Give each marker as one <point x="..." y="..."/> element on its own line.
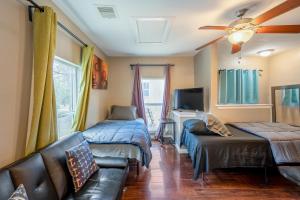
<point x="236" y="48"/>
<point x="207" y="44"/>
<point x="279" y="29"/>
<point x="276" y="11"/>
<point x="213" y="28"/>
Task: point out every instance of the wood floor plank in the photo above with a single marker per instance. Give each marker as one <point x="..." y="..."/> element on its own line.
<point x="170" y="177"/>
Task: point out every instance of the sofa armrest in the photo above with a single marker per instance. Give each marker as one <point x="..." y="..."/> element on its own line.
<point x="111" y="162"/>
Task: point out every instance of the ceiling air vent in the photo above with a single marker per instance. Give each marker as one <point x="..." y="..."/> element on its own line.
<point x="107" y="12"/>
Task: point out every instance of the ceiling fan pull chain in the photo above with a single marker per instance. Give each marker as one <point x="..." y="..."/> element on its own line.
<point x="240" y="57"/>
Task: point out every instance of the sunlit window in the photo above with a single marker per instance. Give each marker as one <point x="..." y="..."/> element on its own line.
<point x="146" y="90"/>
<point x="153" y="97"/>
<point x="66" y="77"/>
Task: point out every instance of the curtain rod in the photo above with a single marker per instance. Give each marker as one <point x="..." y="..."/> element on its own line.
<point x="151" y="65"/>
<point x="238" y="69"/>
<point x="35" y="5"/>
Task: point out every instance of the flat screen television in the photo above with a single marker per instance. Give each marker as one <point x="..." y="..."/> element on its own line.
<point x="189" y="99"/>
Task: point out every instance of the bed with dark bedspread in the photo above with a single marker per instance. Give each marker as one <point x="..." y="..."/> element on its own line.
<point x="210" y="152"/>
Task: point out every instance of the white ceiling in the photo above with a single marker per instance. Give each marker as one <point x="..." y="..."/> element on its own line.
<point x="170" y="27"/>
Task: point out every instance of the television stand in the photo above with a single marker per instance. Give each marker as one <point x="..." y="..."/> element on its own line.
<point x="179" y="116"/>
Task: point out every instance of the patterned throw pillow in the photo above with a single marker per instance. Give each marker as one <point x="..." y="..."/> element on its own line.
<point x="19" y="194"/>
<point x="214" y="124"/>
<point x="81" y="164"/>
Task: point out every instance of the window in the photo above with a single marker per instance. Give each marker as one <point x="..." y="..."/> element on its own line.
<point x="66" y="77"/>
<point x="238" y="86"/>
<point x="146" y="90"/>
<point x="153" y="89"/>
<point x="291" y="97"/>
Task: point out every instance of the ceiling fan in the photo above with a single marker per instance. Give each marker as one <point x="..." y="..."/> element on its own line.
<point x="240" y="31"/>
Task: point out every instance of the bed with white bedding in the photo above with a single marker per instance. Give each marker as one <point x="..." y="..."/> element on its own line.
<point x="120" y="138"/>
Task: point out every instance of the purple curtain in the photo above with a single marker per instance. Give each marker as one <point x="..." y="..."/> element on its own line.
<point x="137" y="94"/>
<point x="166" y="100"/>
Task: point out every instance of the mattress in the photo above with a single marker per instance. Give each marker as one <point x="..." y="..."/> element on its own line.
<point x="210" y="152"/>
<point x="116" y="150"/>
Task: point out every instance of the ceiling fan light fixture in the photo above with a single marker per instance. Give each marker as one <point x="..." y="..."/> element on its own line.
<point x="240" y="36"/>
<point x="265" y="53"/>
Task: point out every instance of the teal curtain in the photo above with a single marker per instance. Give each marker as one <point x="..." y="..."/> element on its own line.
<point x="238" y="86"/>
<point x="222" y="87"/>
<point x="250" y="87"/>
<point x="291" y="97"/>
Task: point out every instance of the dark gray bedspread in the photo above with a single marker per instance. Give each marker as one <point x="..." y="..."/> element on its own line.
<point x="210" y="152"/>
<point x="122" y="132"/>
<point x="283" y="138"/>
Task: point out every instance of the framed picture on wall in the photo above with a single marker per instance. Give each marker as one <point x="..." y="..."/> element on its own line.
<point x="100" y="74"/>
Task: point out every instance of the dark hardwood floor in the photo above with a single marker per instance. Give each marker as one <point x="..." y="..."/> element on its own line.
<point x="170" y="177"/>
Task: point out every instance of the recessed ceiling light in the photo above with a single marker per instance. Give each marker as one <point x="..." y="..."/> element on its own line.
<point x="265" y="53"/>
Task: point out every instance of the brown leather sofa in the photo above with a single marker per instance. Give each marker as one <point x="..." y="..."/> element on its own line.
<point x="45" y="175"/>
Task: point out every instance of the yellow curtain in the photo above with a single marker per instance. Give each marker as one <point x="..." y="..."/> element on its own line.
<point x="43" y="130"/>
<point x="85" y="87"/>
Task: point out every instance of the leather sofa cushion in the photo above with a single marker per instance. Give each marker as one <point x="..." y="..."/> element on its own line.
<point x="6" y="185"/>
<point x="111" y="162"/>
<point x="105" y="184"/>
<point x="56" y="163"/>
<point x="33" y="175"/>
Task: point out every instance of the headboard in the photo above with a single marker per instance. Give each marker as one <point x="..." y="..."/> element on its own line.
<point x="286" y="104"/>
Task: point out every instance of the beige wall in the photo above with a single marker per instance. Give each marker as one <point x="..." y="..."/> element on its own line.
<point x="63" y="45"/>
<point x="285" y="68"/>
<point x="218" y="56"/>
<point x="15" y="78"/>
<point x="202" y="68"/>
<point x="16" y="70"/>
<point x="121" y="76"/>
